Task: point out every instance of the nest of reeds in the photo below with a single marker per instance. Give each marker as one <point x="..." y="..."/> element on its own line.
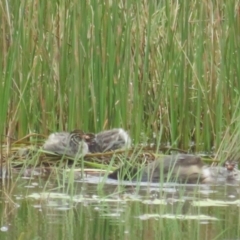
<point x="28" y="151"/>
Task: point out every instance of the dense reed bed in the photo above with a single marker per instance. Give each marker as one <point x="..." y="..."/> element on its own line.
<point x="167" y="71"/>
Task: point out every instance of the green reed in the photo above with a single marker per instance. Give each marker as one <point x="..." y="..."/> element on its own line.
<point x="165" y="71"/>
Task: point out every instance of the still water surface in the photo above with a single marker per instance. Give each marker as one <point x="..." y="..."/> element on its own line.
<point x="57" y="207"/>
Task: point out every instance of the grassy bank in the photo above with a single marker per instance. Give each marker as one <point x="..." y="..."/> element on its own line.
<point x="164" y="70"/>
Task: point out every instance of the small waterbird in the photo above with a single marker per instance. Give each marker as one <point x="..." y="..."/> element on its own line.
<point x="109" y="140"/>
<point x="184" y="168"/>
<point x="72" y="144"/>
<point x="230" y="165"/>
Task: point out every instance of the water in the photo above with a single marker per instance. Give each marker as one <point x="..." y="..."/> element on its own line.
<point x="56" y="207"/>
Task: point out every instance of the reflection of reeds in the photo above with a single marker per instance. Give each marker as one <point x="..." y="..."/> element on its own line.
<point x="166" y="69"/>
